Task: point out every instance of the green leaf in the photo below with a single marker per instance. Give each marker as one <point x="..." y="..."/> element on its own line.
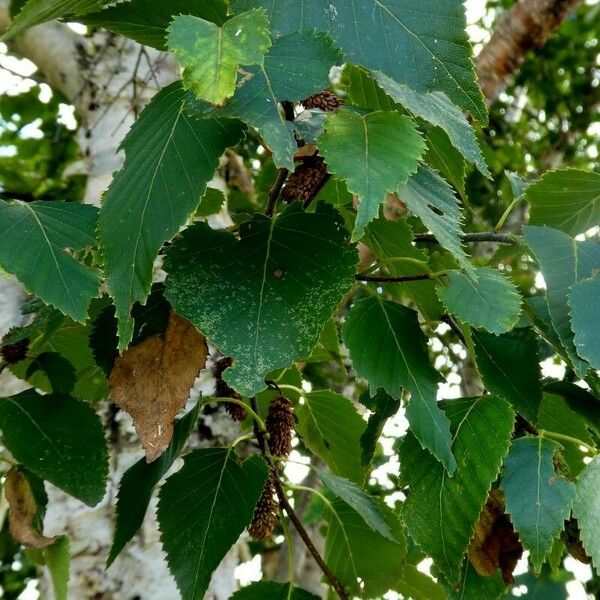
<point x="58" y="560"/>
<point x="362" y="91"/>
<point x="70" y="340"/>
<point x="386" y="148"/>
<point x="490" y="302"/>
<point x="59" y="439"/>
<point x="57" y="369"/>
<point x="331" y="427"/>
<point x="476" y="587"/>
<point x="359" y="500"/>
<point x="430" y="198"/>
<point x="269" y="590"/>
<point x="297" y="66"/>
<point x="211" y="202"/>
<point x="568" y="200"/>
<point x="41" y="11"/>
<point x="139" y="481"/>
<point x="586" y="509"/>
<point x="509" y="366"/>
<point x="563" y="262"/>
<point x="583" y="301"/>
<point x="389" y="349"/>
<point x="211" y="55"/>
<point x="536" y="310"/>
<point x="422" y="46"/>
<point x="437" y="109"/>
<point x="146" y="21"/>
<point x="354" y="551"/>
<point x="445" y="158"/>
<point x="557" y="416"/>
<point x="328" y="347"/>
<point x="384" y="407"/>
<point x="262" y="299"/>
<point x="34" y="239"/>
<point x="580" y="401"/>
<point x="203" y="509"/>
<point x="170" y="157"/>
<point x="392" y="244"/>
<point x="440" y="511"/>
<point x="415" y="585"/>
<point x="537" y="498"/>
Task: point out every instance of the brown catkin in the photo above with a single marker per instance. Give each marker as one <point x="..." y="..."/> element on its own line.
<point x="265" y="516"/>
<point x="222" y="390"/>
<point x="14" y="353"/>
<point x="326" y="101"/>
<point x="280" y="423"/>
<point x="306" y="181"/>
<point x="235" y="411"/>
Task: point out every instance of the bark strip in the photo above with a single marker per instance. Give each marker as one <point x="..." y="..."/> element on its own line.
<point x="524" y="27"/>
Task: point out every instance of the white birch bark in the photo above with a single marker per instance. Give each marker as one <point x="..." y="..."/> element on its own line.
<point x="97" y="74"/>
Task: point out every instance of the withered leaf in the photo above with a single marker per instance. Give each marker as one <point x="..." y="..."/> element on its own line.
<point x="495" y="544"/>
<point x="22" y="509"/>
<point x="152" y="381"/>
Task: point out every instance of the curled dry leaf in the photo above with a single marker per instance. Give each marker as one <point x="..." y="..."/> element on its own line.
<point x="495" y="543"/>
<point x="22" y="509"/>
<point x="152" y="381"/>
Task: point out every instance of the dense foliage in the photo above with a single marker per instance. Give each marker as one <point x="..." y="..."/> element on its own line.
<point x="382" y="224"/>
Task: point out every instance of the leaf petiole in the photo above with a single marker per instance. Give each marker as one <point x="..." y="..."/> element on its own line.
<point x="244" y="405"/>
<point x="561" y="437"/>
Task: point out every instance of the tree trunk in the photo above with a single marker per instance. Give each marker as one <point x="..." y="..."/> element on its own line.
<point x="524" y="27"/>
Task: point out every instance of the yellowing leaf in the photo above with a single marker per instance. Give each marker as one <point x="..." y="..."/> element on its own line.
<point x="22" y="510"/>
<point x="152" y="380"/>
<point x="211" y="55"/>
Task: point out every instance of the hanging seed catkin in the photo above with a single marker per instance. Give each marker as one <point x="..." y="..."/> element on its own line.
<point x="14" y="353"/>
<point x="326" y="101"/>
<point x="280" y="423"/>
<point x="235" y="411"/>
<point x="306" y="181"/>
<point x="265" y="516"/>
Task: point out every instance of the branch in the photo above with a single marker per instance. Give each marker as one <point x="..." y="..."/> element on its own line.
<point x="487" y="236"/>
<point x="276" y="191"/>
<point x="401" y="279"/>
<point x="526" y="26"/>
<point x="455" y="328"/>
<point x="284" y="503"/>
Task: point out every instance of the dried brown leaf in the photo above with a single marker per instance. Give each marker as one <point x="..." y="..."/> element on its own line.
<point x="152" y="381"/>
<point x="22" y="509"/>
<point x="495" y="545"/>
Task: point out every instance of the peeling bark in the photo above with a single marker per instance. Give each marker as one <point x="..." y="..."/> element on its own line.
<point x="524" y="27"/>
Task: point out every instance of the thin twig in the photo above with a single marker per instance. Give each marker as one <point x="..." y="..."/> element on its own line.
<point x="276" y="191"/>
<point x="454" y="326"/>
<point x="291" y="513"/>
<point x="487" y="236"/>
<point x="401" y="279"/>
<point x="288" y="110"/>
